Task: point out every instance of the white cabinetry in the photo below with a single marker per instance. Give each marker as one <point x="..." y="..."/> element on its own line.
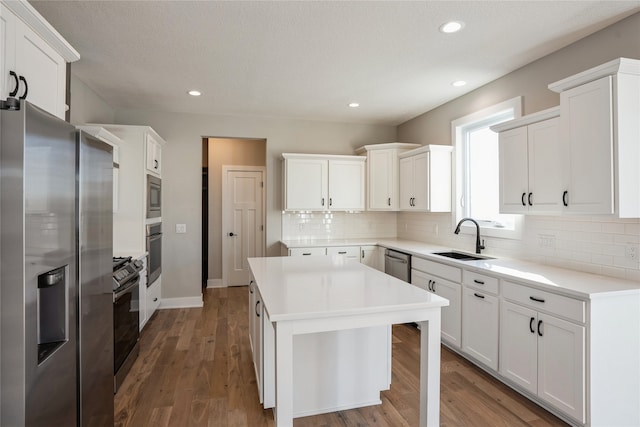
<point x="307" y="251"/>
<point x="425" y="179"/>
<point x="153" y="155"/>
<point x="452" y="314"/>
<point x="153" y="297"/>
<point x="350" y="253"/>
<point x="129" y="233"/>
<point x="261" y="339"/>
<point x="540" y="352"/>
<point x="383" y="180"/>
<point x="373" y="256"/>
<point x="599" y="111"/>
<point x="34" y="58"/>
<point x="142" y="289"/>
<point x="319" y="182"/>
<point x="531" y="164"/>
<point x="480" y="307"/>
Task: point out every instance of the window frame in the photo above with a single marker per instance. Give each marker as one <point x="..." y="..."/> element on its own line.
<point x="457" y="127"/>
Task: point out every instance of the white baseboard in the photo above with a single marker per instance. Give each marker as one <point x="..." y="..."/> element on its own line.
<point x="215" y="283"/>
<point x="185" y="302"/>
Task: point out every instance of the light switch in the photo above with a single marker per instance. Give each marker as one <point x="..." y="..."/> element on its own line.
<point x="181" y="228"/>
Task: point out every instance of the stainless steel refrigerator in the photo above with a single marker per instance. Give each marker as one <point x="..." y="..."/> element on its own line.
<point x="45" y="316"/>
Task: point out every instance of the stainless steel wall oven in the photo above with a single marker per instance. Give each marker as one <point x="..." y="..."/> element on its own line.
<point x="154" y="248"/>
<point x="154" y="197"/>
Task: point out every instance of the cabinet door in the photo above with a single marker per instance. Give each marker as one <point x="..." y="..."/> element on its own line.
<point x="153" y="297"/>
<point x="380" y="172"/>
<point x="346" y="185"/>
<point x="519" y="345"/>
<point x="307" y="251"/>
<point x="421" y="182"/>
<point x="306" y="184"/>
<point x="142" y="297"/>
<point x="587" y="129"/>
<point x="369" y="256"/>
<point x="406" y="183"/>
<point x="450" y="328"/>
<point x="154" y="152"/>
<point x="255" y="334"/>
<point x="7" y="50"/>
<point x="545" y="167"/>
<point x="44" y="70"/>
<point x="561" y="366"/>
<point x="480" y="326"/>
<point x="514" y="180"/>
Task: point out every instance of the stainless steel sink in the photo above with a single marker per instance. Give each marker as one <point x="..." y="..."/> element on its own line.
<point x="460" y="256"/>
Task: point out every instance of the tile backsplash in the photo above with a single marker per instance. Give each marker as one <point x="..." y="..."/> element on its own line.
<point x="599" y="245"/>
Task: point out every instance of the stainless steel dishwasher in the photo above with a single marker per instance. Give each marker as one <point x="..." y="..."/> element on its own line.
<point x="398" y="264"/>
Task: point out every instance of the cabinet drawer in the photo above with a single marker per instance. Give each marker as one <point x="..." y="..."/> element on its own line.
<point x="442" y="270"/>
<point x="307" y="251"/>
<point x="545" y="301"/>
<point x="347" y="251"/>
<point x="480" y="281"/>
<point x="153" y="298"/>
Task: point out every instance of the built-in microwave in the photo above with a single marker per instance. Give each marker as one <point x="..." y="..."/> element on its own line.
<point x="154" y="197"/>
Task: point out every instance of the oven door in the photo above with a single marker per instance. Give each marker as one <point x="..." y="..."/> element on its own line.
<point x="154" y="248"/>
<point x="126" y="321"/>
<point x="154" y="197"/>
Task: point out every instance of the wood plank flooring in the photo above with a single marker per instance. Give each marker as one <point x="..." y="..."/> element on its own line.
<point x="195" y="369"/>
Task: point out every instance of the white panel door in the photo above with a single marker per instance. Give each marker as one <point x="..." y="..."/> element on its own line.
<point x="519" y="345"/>
<point x="243" y="234"/>
<point x="561" y="365"/>
<point x="590" y="147"/>
<point x="546" y="167"/>
<point x="346" y="185"/>
<point x="306" y="184"/>
<point x="480" y="326"/>
<point x="514" y="180"/>
<point x="381" y="194"/>
<point x="406" y="183"/>
<point x="43" y="69"/>
<point x="421" y="182"/>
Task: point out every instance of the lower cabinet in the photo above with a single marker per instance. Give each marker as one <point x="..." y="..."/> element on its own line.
<point x="451" y="317"/>
<point x="142" y="297"/>
<point x="545" y="356"/>
<point x="350" y="253"/>
<point x="153" y="297"/>
<point x="255" y="334"/>
<point x="307" y="251"/>
<point x="480" y="326"/>
<point x="373" y="256"/>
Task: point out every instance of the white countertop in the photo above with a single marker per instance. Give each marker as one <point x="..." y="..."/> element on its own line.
<point x="294" y="288"/>
<point x="568" y="282"/>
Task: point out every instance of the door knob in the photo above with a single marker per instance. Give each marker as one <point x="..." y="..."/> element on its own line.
<point x="231" y="234"/>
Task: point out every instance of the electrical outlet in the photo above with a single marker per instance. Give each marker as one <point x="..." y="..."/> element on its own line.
<point x="547" y="241"/>
<point x="632" y="252"/>
<point x="181" y="228"/>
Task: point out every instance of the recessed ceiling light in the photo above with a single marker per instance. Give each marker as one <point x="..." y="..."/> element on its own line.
<point x="194" y="93"/>
<point x="354" y="105"/>
<point x="458" y="83"/>
<point x="451" y="27"/>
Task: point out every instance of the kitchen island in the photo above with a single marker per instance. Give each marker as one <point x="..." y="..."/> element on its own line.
<point x="314" y="296"/>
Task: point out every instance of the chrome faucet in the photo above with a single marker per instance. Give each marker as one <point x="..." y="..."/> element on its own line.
<point x="479" y="246"/>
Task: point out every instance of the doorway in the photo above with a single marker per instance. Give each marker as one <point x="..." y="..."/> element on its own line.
<point x="230" y="152"/>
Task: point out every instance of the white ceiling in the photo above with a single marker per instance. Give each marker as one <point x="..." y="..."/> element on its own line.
<point x="309" y="59"/>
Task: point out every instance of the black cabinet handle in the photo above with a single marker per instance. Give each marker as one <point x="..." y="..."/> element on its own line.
<point x="536" y="299"/>
<point x="15" y="78"/>
<point x="232" y="234"/>
<point x="155" y="299"/>
<point x="531" y="325"/>
<point x="389" y="201"/>
<point x="529" y="199"/>
<point x="306" y="253"/>
<point x="156" y="164"/>
<point x="522" y="199"/>
<point x="479" y="282"/>
<point x="478" y="295"/>
<point x="323" y="201"/>
<point x="26" y="88"/>
<point x="433" y="286"/>
<point x="539" y="326"/>
<point x="330" y="202"/>
<point x="257" y="304"/>
<point x="251" y="287"/>
<point x="429" y="285"/>
<point x="564" y="198"/>
<point x="363" y="254"/>
<point x="342" y="252"/>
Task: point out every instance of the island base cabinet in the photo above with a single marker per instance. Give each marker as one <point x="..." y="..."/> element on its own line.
<point x="355" y="362"/>
<point x="480" y="326"/>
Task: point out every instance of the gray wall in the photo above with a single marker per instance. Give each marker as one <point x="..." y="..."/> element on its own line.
<point x="87" y="106"/>
<point x="181" y="175"/>
<point x="621" y="39"/>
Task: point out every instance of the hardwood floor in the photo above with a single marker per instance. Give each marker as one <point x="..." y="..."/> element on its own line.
<point x="195" y="369"/>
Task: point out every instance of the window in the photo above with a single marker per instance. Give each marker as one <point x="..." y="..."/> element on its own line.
<point x="477" y="170"/>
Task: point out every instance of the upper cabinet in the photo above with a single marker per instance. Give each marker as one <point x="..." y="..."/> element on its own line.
<point x="321" y="182"/>
<point x="531" y="164"/>
<point x="425" y="179"/>
<point x="599" y="110"/>
<point x="33" y="58"/>
<point x="383" y="179"/>
<point x="153" y="155"/>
